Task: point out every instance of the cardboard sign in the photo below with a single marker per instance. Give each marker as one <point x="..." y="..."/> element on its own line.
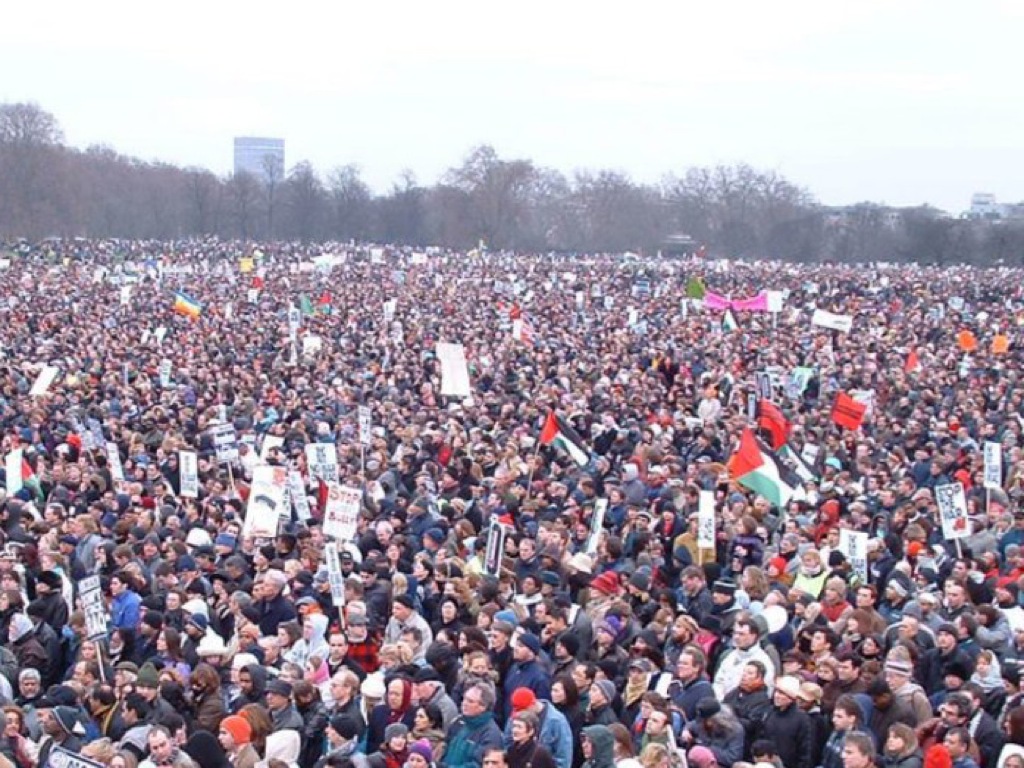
<point x="454" y="370"/>
<point x="44" y="380"/>
<point x="334" y="574"/>
<point x="596" y="525"/>
<point x="854" y="545"/>
<point x="834" y="322"/>
<point x="496" y="534"/>
<point x="365" y="426"/>
<point x="706" y="520"/>
<point x="12" y="465"/>
<point x="297" y="494"/>
<point x="114" y="460"/>
<point x="225" y="442"/>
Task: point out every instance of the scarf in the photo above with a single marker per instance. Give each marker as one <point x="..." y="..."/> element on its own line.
<point x="635" y="690"/>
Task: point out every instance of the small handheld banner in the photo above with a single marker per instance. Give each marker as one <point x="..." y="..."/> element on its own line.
<point x="953" y="510"/>
<point x="91" y="594"/>
<point x="993" y="465"/>
<point x="188" y="466"/>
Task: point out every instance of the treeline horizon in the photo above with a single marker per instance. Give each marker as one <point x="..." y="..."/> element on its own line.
<point x="49" y="189"/>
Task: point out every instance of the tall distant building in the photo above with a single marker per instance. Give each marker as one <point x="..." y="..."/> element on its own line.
<point x="263" y="158"/>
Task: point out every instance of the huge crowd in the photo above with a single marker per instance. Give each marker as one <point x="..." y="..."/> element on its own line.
<point x="626" y="639"/>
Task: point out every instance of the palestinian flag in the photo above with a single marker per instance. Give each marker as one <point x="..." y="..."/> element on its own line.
<point x="756" y="467"/>
<point x="305" y="305"/>
<point x="558" y="432"/>
<point x="771" y="420"/>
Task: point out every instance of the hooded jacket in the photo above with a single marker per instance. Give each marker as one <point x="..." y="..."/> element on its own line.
<point x="602" y="747"/>
<point x="259" y="686"/>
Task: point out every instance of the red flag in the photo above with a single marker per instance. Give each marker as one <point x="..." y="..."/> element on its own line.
<point x="847" y="412"/>
<point x="257" y="282"/>
<point x="913" y="364"/>
<point x="770" y="419"/>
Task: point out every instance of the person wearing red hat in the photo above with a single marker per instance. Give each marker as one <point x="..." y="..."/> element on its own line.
<point x="235" y="735"/>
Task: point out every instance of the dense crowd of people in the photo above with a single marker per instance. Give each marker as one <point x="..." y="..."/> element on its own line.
<point x="626" y="638"/>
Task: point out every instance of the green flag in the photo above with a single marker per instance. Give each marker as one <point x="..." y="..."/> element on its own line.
<point x="305" y="305"/>
<point x="695" y="289"/>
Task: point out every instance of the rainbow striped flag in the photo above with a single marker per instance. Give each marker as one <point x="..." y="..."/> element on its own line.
<point x="186" y="305"/>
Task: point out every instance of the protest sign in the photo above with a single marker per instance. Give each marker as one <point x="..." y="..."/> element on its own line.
<point x="225" y="442"/>
<point x="188" y="466"/>
<point x="334" y="574"/>
<point x="854" y="545"/>
<point x="341" y="513"/>
<point x="365" y="426"/>
<point x="65" y="758"/>
<point x="993" y="465"/>
<point x="43" y="381"/>
<point x="834" y="322"/>
<point x="322" y="460"/>
<point x="91" y="595"/>
<point x="454" y="371"/>
<point x="165" y="373"/>
<point x="706" y="520"/>
<point x="596" y="525"/>
<point x="297" y="494"/>
<point x="953" y="510"/>
<point x="266" y="501"/>
<point x="114" y="460"/>
<point x="270" y="442"/>
<point x="12" y="467"/>
<point x="496" y="533"/>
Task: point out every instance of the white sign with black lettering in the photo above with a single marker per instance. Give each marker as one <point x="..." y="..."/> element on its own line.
<point x="266" y="501"/>
<point x="596" y="525"/>
<point x="165" y="373"/>
<point x="334" y="574"/>
<point x="322" y="459"/>
<point x="952" y="505"/>
<point x="365" y="425"/>
<point x="225" y="442"/>
<point x="188" y="466"/>
<point x="95" y="610"/>
<point x="993" y="465"/>
<point x="114" y="460"/>
<point x="854" y="546"/>
<point x="297" y="494"/>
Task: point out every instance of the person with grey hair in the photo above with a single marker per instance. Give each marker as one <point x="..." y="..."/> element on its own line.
<point x="273" y="607"/>
<point x="475" y="732"/>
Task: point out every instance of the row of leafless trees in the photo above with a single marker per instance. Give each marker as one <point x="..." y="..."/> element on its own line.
<point x="50" y="189"/>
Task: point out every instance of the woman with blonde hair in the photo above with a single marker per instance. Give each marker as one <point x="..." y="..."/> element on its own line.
<point x="101" y="750"/>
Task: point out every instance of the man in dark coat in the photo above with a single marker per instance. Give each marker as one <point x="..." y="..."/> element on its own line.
<point x="49" y="604"/>
<point x="788" y="727"/>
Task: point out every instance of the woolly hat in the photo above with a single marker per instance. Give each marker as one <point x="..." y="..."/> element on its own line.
<point x="148" y="677"/>
<point x="612" y="625"/>
<point x="238" y="727"/>
<point x="523" y="698"/>
<point x="345" y="727"/>
<point x="708" y="706"/>
<point x="394" y="731"/>
<point x="938" y="756"/>
<point x="422" y="748"/>
<point x="530" y="641"/>
<point x="606" y="583"/>
<point x="67" y="718"/>
<point x="899" y="666"/>
<point x="570" y="642"/>
<point x="607" y="689"/>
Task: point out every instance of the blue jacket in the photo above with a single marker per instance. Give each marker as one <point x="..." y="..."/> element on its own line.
<point x="527" y="674"/>
<point x="125" y="611"/>
<point x="555" y="734"/>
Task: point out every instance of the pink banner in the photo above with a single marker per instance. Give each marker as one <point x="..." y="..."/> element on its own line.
<point x="757" y="303"/>
<point x="716" y="301"/>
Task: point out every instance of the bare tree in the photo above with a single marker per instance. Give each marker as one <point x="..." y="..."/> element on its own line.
<point x="244" y="192"/>
<point x="350" y="203"/>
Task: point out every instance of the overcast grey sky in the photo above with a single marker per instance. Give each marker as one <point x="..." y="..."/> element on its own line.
<point x="899" y="101"/>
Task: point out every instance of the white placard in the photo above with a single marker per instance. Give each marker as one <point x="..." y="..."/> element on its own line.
<point x="159" y="334"/>
<point x="390" y="307"/>
<point x="114" y="460"/>
<point x="341" y="513"/>
<point x="12" y="465"/>
<point x="266" y="501"/>
<point x="854" y="546"/>
<point x="775" y="300"/>
<point x="311" y="345"/>
<point x="188" y="469"/>
<point x="322" y="459"/>
<point x="43" y="381"/>
<point x="842" y="323"/>
<point x="229" y="310"/>
<point x="270" y="442"/>
<point x="596" y="525"/>
<point x="952" y="505"/>
<point x="365" y="425"/>
<point x="225" y="442"/>
<point x="454" y="371"/>
<point x="165" y="373"/>
<point x="91" y="595"/>
<point x="334" y="574"/>
<point x="993" y="465"/>
<point x="126" y="295"/>
<point x="495" y="551"/>
<point x="706" y="520"/>
<point x="297" y="494"/>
